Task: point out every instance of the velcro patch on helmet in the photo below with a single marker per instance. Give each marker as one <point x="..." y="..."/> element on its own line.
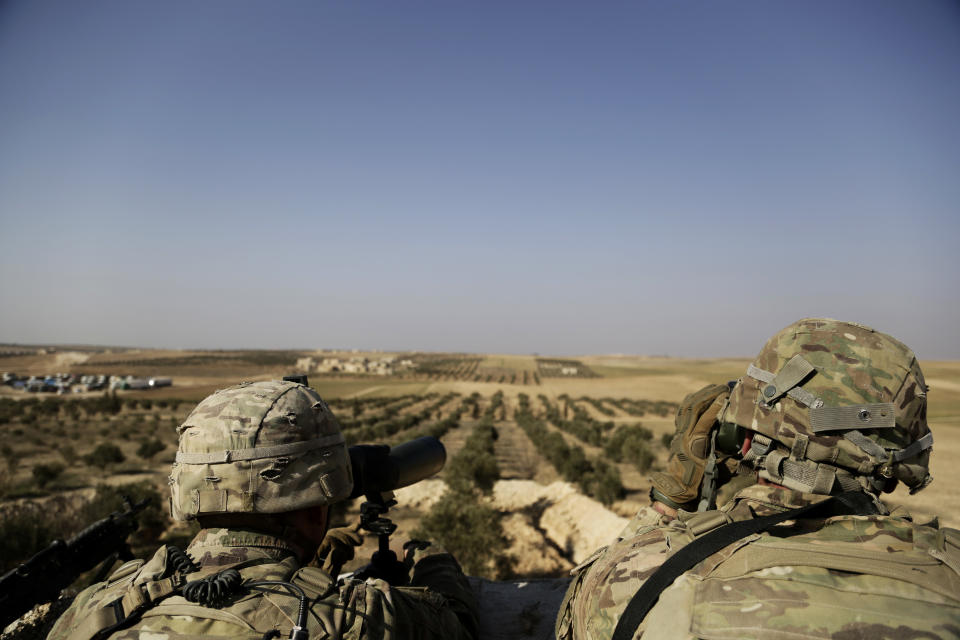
<point x="211" y="500"/>
<point x="791" y="375"/>
<point x="878" y="415"/>
<point x="785" y="382"/>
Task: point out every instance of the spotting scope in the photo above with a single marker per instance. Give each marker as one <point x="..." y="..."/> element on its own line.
<point x="378" y="468"/>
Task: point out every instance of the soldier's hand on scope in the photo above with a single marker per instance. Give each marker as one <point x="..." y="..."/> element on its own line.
<point x="338" y="547"/>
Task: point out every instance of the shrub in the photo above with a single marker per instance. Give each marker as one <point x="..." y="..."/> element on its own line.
<point x="44" y="474"/>
<point x="153" y="520"/>
<point x="475" y="465"/>
<point x="68" y="453"/>
<point x="582" y="425"/>
<point x="48" y="407"/>
<point x="104" y="455"/>
<point x="107" y="403"/>
<point x="6" y="482"/>
<point x="603" y="482"/>
<point x="11" y="458"/>
<point x="72" y="409"/>
<point x="595" y="477"/>
<point x="470" y="530"/>
<point x="28" y="527"/>
<point x="150" y="448"/>
<point x="10" y="409"/>
<point x="496" y="402"/>
<point x="467" y="527"/>
<point x="631" y="444"/>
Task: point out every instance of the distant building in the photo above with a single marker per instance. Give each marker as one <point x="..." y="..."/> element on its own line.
<point x="381" y="367"/>
<point x="306" y="364"/>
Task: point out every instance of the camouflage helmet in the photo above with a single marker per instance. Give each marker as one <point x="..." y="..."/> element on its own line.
<point x="834" y="406"/>
<point x="262" y="447"/>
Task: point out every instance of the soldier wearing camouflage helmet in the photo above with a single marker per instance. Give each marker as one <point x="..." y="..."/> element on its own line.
<point x="767" y="522"/>
<point x="258" y="466"/>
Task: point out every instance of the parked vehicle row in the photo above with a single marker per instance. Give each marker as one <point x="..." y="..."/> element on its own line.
<point x="62" y="383"/>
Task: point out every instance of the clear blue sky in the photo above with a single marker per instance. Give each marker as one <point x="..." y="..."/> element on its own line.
<point x="560" y="177"/>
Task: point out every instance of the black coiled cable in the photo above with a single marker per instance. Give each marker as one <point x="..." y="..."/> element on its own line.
<point x="179" y="562"/>
<point x="211" y="591"/>
<point x="214" y="590"/>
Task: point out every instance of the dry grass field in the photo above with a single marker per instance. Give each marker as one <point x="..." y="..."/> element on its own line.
<point x="49" y="452"/>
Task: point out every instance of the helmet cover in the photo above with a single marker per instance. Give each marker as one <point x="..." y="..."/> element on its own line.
<point x="855" y="399"/>
<point x="262" y="447"/>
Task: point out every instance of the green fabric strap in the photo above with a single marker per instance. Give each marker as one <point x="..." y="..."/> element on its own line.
<point x="786" y="381"/>
<point x="289" y="449"/>
<point x="878" y="415"/>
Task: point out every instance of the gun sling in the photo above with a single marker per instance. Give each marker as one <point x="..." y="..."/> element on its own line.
<point x="853" y="502"/>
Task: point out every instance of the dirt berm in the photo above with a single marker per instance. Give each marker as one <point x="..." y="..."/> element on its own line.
<point x="551" y="528"/>
<point x="567" y="521"/>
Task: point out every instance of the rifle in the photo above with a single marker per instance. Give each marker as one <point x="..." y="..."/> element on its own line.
<point x="41" y="578"/>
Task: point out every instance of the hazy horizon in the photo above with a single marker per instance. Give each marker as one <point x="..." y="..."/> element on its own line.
<point x="560" y="178"/>
<point x="344" y="349"/>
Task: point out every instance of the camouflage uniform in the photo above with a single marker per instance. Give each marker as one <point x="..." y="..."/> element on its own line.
<point x="352" y="610"/>
<point x="848" y="577"/>
<point x="827" y="407"/>
<point x="245" y="453"/>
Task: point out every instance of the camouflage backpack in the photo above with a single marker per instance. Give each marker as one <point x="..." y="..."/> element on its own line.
<point x="852" y="576"/>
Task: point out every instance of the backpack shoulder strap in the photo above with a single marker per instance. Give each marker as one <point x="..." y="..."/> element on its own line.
<point x="132" y="602"/>
<point x="315" y="582"/>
